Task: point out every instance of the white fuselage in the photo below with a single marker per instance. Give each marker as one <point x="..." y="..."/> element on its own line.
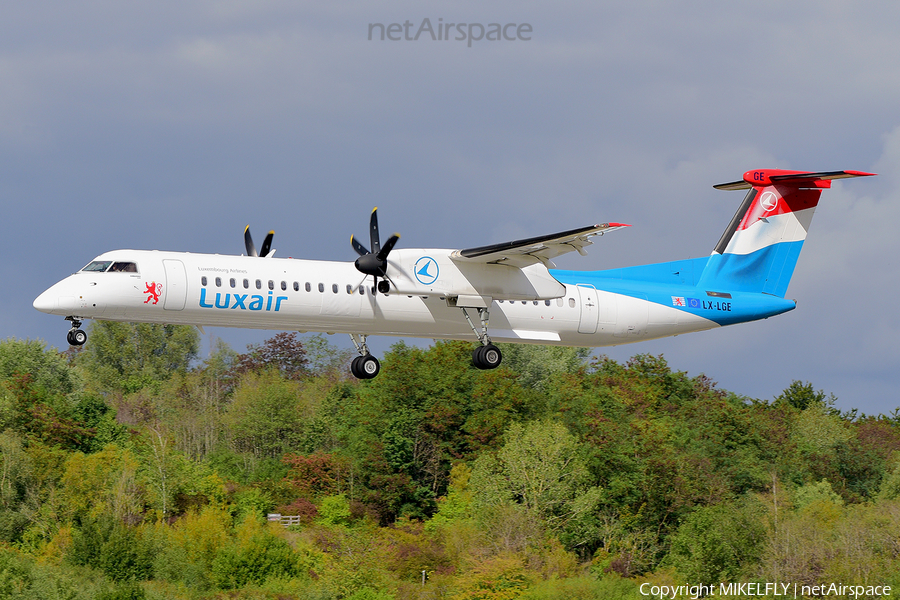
<point x="323" y="296"/>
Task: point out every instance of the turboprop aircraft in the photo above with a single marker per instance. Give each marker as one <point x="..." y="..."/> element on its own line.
<point x="508" y="292"/>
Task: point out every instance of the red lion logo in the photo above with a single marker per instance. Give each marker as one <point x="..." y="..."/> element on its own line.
<point x="153" y="290"/>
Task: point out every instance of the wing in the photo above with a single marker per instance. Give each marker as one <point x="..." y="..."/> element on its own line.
<point x="522" y="253"/>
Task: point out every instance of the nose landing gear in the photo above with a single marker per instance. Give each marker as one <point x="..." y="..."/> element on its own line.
<point x="76" y="336"/>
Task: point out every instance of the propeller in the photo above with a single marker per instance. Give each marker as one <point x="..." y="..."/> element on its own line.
<point x="374" y="263"/>
<point x="266" y="246"/>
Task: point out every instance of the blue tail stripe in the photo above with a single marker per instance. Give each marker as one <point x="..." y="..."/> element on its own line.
<point x="767" y="270"/>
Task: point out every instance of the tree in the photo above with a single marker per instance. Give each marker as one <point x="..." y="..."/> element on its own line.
<point x="535" y="365"/>
<point x="47" y="368"/>
<point x="284" y="352"/>
<point x="264" y="418"/>
<point x="539" y="467"/>
<point x="717" y="543"/>
<point x="802" y="395"/>
<point x="125" y="357"/>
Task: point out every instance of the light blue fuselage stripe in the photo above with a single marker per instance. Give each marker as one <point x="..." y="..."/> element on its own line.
<point x="756" y="283"/>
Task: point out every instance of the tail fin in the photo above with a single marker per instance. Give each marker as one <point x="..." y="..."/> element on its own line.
<point x="760" y="247"/>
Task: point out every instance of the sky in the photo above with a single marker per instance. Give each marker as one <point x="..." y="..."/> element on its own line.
<point x="172" y="125"/>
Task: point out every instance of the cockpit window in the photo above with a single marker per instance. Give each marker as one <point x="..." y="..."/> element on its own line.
<point x="123" y="267"/>
<point x="98" y="265"/>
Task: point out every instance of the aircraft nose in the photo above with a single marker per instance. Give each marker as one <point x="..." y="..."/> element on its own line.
<point x="47" y="302"/>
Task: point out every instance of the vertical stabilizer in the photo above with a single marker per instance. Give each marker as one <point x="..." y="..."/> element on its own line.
<point x="760" y="247"/>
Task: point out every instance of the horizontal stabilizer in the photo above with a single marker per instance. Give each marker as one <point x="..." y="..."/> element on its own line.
<point x="777" y="176"/>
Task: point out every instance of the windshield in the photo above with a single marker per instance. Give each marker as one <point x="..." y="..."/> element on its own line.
<point x="98" y="265"/>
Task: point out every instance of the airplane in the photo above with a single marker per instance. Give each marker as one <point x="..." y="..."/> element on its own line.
<point x="508" y="292"/>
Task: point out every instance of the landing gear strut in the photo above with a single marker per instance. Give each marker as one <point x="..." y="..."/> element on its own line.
<point x="487" y="355"/>
<point x="76" y="336"/>
<point x="364" y="366"/>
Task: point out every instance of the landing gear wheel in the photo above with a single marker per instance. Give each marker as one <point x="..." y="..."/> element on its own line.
<point x="76" y="337"/>
<point x="369" y="366"/>
<point x="365" y="367"/>
<point x="487" y="357"/>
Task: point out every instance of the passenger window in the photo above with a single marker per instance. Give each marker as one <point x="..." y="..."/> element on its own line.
<point x="322" y="287"/>
<point x="284" y="285"/>
<point x="349" y="289"/>
<point x="362" y="290"/>
<point x="203" y="281"/>
<point x="308" y="287"/>
<point x="559" y="302"/>
<point x="258" y="284"/>
<point x="246" y="284"/>
<point x="271" y="285"/>
<point x="296" y="286"/>
<point x="334" y="288"/>
<point x="233" y="282"/>
<point x="571" y="302"/>
<point x="218" y="282"/>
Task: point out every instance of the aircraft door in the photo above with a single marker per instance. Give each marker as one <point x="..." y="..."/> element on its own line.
<point x="176" y="285"/>
<point x="590" y="308"/>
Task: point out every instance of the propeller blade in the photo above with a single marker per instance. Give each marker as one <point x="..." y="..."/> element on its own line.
<point x="267" y="244"/>
<point x="386" y="249"/>
<point x="360" y="249"/>
<point x="248" y="242"/>
<point x="373" y="231"/>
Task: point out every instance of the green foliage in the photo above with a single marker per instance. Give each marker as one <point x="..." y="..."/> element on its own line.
<point x="256" y="556"/>
<point x="264" y="416"/>
<point x="153" y="480"/>
<point x="126" y="357"/>
<point x="718" y="543"/>
<point x="127" y="591"/>
<point x="537" y="366"/>
<point x="47" y="368"/>
<point x="585" y="588"/>
<point x="815" y="492"/>
<point x="252" y="502"/>
<point x="115" y="549"/>
<point x="802" y="396"/>
<point x="334" y="510"/>
<point x="538" y="466"/>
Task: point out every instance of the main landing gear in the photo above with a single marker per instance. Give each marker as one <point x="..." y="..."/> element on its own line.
<point x="364" y="366"/>
<point x="76" y="336"/>
<point x="487" y="355"/>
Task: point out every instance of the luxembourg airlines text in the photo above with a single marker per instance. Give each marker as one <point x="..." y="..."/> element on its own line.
<point x="465" y="32"/>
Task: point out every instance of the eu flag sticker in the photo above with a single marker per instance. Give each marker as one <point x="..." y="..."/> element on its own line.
<point x="693" y="302"/>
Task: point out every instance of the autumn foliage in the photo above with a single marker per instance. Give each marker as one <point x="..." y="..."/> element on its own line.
<point x="148" y="474"/>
